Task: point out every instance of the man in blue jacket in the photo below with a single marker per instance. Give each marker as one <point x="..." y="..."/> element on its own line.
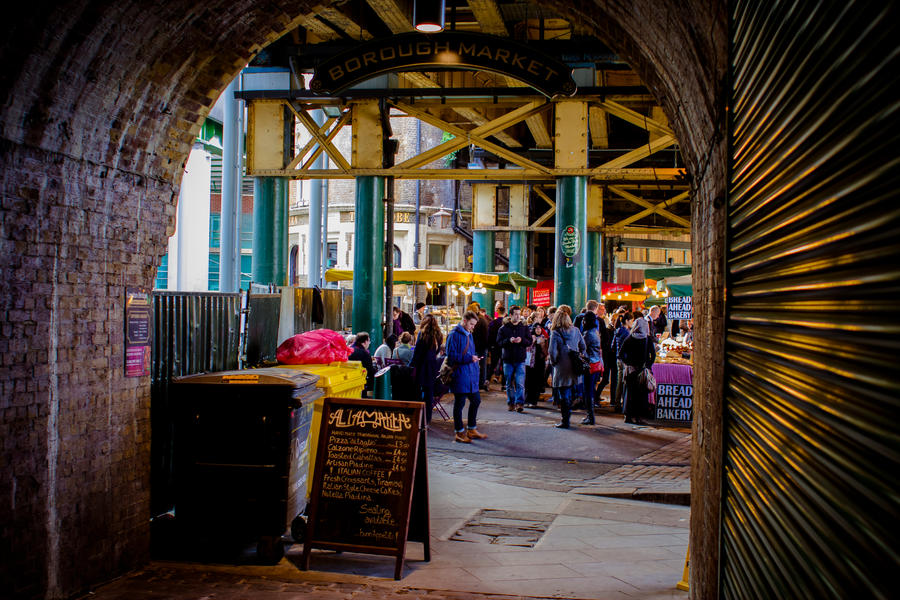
<point x="464" y="383"/>
<point x="514" y="338"/>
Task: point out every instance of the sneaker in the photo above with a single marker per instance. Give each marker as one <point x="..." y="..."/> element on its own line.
<point x="462" y="438"/>
<point x="587" y="421"/>
<point x="510" y="407"/>
<point x="520" y="408"/>
<point x="474" y="435"/>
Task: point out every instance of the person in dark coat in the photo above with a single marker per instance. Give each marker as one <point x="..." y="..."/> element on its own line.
<point x="623" y="329"/>
<point x="480" y="338"/>
<point x="638" y="351"/>
<point x="464" y="384"/>
<point x="424" y="361"/>
<point x="594" y="355"/>
<point x="514" y="338"/>
<point x="493" y="329"/>
<point x="361" y="353"/>
<point x="535" y="377"/>
<point x="563" y="338"/>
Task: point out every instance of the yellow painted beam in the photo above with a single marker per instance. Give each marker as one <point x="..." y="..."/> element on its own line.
<point x="318" y="28"/>
<point x="484" y="205"/>
<point x="324" y="142"/>
<point x="518" y="206"/>
<point x="475" y="136"/>
<point x="473" y="116"/>
<point x="393" y="15"/>
<point x="646" y="176"/>
<point x="265" y="135"/>
<point x="348" y="25"/>
<point x="629" y="158"/>
<point x="635" y="118"/>
<point x="489" y="18"/>
<point x="595" y="207"/>
<point x="367" y="135"/>
<point x="599" y="124"/>
<point x="546" y="216"/>
<point x="571" y="141"/>
<point x="651" y="208"/>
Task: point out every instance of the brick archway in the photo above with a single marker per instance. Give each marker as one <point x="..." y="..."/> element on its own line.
<point x="100" y="105"/>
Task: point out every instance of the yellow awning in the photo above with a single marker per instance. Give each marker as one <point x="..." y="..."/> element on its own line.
<point x="423" y="276"/>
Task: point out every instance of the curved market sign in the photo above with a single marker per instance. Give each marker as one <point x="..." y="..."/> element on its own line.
<point x="448" y="50"/>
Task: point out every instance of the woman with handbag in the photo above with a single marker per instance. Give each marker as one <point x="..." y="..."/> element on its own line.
<point x="594" y="352"/>
<point x="564" y="338"/>
<point x="424" y="361"/>
<point x="637" y="353"/>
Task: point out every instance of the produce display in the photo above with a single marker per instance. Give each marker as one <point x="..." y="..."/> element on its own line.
<point x="675" y="351"/>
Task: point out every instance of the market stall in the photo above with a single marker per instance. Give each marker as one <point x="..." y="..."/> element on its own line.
<point x="673" y="370"/>
<point x="464" y="287"/>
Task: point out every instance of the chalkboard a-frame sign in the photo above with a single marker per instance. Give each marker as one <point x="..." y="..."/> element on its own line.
<point x="370" y="483"/>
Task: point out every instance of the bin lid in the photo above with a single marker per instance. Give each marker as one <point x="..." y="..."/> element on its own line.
<point x="268" y="376"/>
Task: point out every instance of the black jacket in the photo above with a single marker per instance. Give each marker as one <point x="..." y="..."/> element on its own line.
<point x="493" y="329"/>
<point x="637" y="352"/>
<point x="480" y="335"/>
<point x="363" y="356"/>
<point x="514" y="352"/>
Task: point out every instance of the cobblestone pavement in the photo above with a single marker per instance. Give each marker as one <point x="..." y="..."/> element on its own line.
<point x="662" y="471"/>
<point x="161" y="580"/>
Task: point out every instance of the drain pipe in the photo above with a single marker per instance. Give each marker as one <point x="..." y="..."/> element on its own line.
<point x="417" y="247"/>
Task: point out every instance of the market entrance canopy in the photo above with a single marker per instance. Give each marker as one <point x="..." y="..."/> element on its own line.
<point x="506" y="282"/>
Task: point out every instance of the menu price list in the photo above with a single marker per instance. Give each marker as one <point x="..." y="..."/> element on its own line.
<point x="363" y="476"/>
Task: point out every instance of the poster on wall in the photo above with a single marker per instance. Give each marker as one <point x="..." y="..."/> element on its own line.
<point x="137" y="332"/>
<point x="570" y="244"/>
<point x="679" y="307"/>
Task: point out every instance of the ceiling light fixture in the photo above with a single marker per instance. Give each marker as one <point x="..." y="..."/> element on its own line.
<point x="428" y="15"/>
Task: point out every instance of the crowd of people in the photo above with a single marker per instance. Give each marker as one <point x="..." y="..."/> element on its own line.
<point x="523" y="350"/>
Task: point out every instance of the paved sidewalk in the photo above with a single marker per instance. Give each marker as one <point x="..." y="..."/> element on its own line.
<point x="504" y="524"/>
<point x="591" y="548"/>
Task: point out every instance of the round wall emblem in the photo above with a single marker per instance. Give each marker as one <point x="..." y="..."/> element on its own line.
<point x="570" y="242"/>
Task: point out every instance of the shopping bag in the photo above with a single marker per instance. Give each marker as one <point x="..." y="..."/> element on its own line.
<point x="318" y="347"/>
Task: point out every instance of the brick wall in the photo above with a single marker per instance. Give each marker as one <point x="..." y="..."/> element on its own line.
<point x="100" y="103"/>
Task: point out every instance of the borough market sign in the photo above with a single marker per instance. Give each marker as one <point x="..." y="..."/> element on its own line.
<point x="448" y="50"/>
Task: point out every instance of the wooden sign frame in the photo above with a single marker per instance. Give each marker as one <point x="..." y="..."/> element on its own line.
<point x="383" y="422"/>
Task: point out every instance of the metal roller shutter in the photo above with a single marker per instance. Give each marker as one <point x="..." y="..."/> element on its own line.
<point x="812" y="400"/>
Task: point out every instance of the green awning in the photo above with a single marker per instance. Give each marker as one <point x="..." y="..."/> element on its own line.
<point x="511" y="282"/>
<point x="657" y="274"/>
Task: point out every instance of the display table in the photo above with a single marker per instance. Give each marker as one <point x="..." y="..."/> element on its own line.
<point x="673" y="400"/>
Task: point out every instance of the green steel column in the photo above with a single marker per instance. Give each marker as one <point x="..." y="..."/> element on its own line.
<point x="368" y="258"/>
<point x="594" y="265"/>
<point x="264" y="242"/>
<point x="280" y="231"/>
<point x="483" y="251"/>
<point x="570" y="276"/>
<point x="518" y="255"/>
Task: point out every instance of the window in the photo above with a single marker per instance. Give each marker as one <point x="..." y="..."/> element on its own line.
<point x="437" y="254"/>
<point x="162" y="274"/>
<point x="331" y="261"/>
<point x="397" y="257"/>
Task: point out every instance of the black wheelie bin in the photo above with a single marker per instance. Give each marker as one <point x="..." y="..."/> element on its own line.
<point x="241" y="455"/>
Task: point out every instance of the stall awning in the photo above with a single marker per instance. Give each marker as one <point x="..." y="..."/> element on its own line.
<point x="507" y="282"/>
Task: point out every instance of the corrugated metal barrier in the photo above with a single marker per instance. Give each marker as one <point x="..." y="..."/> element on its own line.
<point x="812" y="468"/>
<point x="193" y="332"/>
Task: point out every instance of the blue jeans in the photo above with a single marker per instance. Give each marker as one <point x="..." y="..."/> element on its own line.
<point x="459" y="400"/>
<point x="515" y="382"/>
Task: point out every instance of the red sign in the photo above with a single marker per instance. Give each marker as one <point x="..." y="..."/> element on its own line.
<point x="541" y="297"/>
<point x="614" y="288"/>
